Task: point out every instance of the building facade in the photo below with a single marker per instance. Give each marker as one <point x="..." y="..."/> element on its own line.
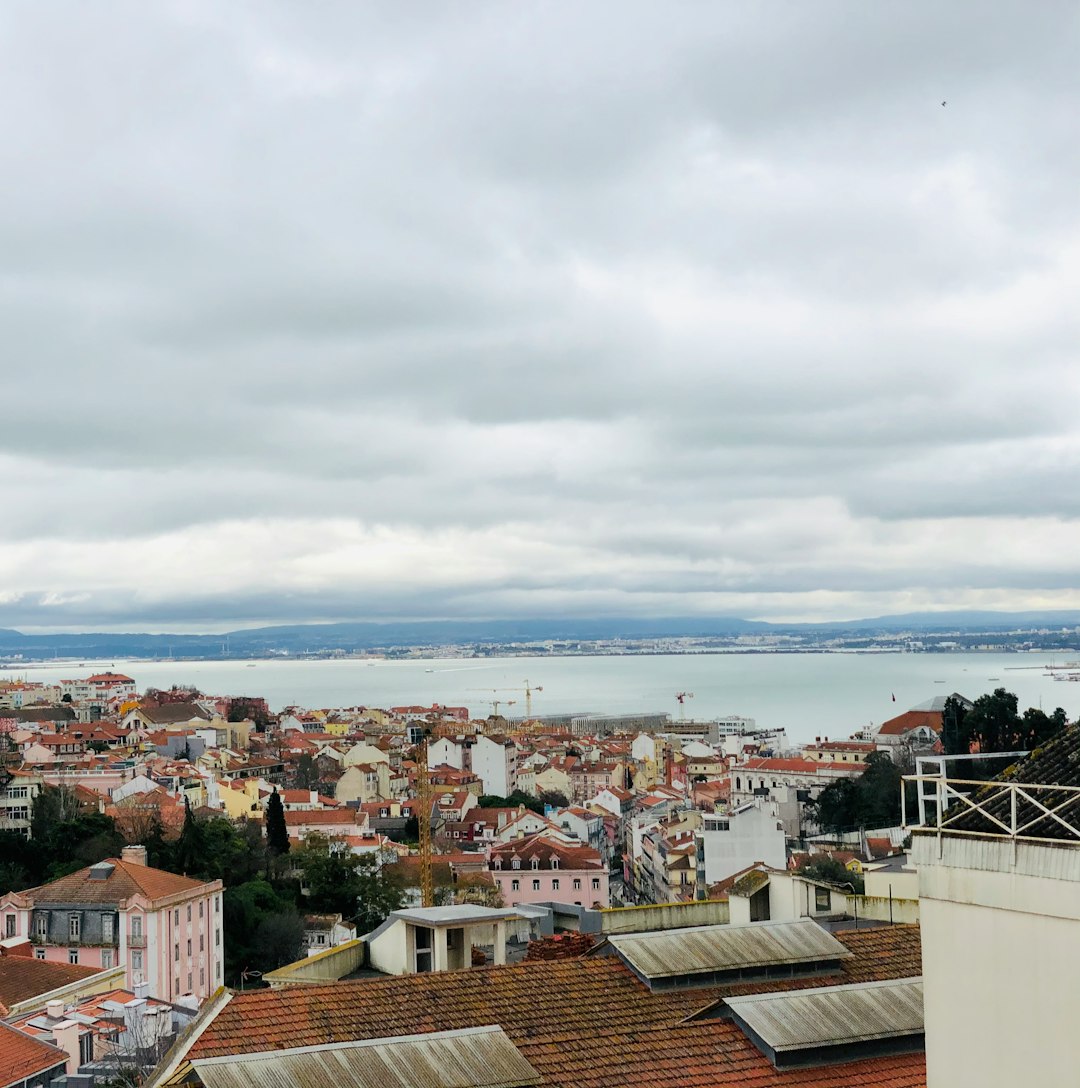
<point x="166" y="930"/>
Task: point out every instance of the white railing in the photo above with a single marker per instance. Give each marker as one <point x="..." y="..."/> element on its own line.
<point x="953" y="799"/>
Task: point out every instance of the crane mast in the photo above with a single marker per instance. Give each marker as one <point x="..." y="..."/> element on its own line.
<point x="424" y="795"/>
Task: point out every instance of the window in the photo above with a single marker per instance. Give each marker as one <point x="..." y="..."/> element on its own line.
<point x="189" y="982"/>
<point x="498" y="863"/>
<point x="176" y="917"/>
<point x="106" y="957"/>
<point x="176" y="952"/>
<point x="536" y="885"/>
<point x="202" y="943"/>
<point x="596" y="883"/>
<point x="423" y="949"/>
<point x="189" y="946"/>
<point x="176" y="986"/>
<point x="39" y="953"/>
<point x="217" y="905"/>
<point x="554" y="863"/>
<point x="41" y="925"/>
<point x="73" y="955"/>
<point x="821" y="899"/>
<point x="74" y="926"/>
<point x="516" y="863"/>
<point x="107" y="928"/>
<point x="515" y="885"/>
<point x="136" y="926"/>
<point x="136" y="961"/>
<point x="555" y="885"/>
<point x="577" y="883"/>
<point x="9" y="925"/>
<point x="189" y="912"/>
<point x="536" y="863"/>
<point x="202" y="978"/>
<point x="200" y="908"/>
<point x="217" y="938"/>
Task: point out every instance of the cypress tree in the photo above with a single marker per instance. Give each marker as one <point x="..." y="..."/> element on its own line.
<point x="277" y="833"/>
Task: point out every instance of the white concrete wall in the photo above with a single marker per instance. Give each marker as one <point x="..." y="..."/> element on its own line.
<point x="754" y="834"/>
<point x="1001" y="956"/>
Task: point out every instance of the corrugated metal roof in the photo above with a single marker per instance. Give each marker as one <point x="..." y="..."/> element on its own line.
<point x="709" y="949"/>
<point x="473" y="1058"/>
<point x="832" y="1015"/>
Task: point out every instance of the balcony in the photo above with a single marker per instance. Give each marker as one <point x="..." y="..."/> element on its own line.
<point x="136" y="941"/>
<point x="1018" y="811"/>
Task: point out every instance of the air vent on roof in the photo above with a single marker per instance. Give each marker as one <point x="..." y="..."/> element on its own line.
<point x="102" y="870"/>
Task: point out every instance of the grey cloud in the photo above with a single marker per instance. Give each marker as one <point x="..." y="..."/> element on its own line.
<point x="646" y="308"/>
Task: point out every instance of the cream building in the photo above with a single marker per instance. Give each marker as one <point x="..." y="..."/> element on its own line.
<point x="999" y="898"/>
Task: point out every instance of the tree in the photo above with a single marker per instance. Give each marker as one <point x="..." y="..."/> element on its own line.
<point x="358" y="887"/>
<point x="871" y="800"/>
<point x="263" y="930"/>
<point x="553" y="798"/>
<point x="188" y="854"/>
<point x="517" y="798"/>
<point x="832" y="871"/>
<point x="307" y="772"/>
<point x="277" y="831"/>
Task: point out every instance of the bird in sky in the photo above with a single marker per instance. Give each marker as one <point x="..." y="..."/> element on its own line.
<point x="943" y="103"/>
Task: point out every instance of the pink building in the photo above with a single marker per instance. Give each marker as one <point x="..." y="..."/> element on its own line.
<point x="542" y="869"/>
<point x="166" y="930"/>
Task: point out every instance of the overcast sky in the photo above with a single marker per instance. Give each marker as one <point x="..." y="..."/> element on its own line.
<point x="359" y="310"/>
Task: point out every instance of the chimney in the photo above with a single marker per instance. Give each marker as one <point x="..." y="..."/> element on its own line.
<point x="17" y="946"/>
<point x="134" y="855"/>
<point x="66" y="1034"/>
<point x="141" y="990"/>
<point x="54" y="1010"/>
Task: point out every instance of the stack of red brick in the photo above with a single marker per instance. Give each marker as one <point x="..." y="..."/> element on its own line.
<point x="563" y="946"/>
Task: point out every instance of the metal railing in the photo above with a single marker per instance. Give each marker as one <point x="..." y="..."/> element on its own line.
<point x="1012" y="810"/>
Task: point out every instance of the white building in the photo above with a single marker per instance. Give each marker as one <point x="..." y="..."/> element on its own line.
<point x="999" y="899"/>
<point x="100" y="688"/>
<point x="731" y="842"/>
<point x="492" y="759"/>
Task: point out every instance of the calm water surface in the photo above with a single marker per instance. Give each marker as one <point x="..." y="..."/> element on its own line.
<point x="808" y="694"/>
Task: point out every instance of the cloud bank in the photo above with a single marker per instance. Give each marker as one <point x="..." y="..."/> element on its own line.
<point x="420" y="311"/>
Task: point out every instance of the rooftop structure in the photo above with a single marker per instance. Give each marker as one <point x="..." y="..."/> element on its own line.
<point x="481" y="1057"/>
<point x="798" y="1028"/>
<point x="706" y="954"/>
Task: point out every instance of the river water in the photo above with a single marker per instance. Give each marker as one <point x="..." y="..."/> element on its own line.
<point x="808" y="694"/>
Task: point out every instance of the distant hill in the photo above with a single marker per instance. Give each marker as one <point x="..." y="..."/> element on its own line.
<point x="317" y="637"/>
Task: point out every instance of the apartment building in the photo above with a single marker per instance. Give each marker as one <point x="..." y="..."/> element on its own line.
<point x="166" y="930"/>
<point x="541" y="869"/>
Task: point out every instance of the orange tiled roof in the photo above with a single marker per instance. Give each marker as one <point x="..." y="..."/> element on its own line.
<point x="126" y="880"/>
<point x="21" y="1057"/>
<point x="707" y="1054"/>
<point x="912" y="719"/>
<point x="528" y="1000"/>
<point x="23" y="978"/>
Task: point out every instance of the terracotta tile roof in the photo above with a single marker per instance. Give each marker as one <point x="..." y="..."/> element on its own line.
<point x="21" y="1057"/>
<point x="909" y="720"/>
<point x="796" y="766"/>
<point x="545" y="850"/>
<point x="709" y="1054"/>
<point x="529" y="1000"/>
<point x="125" y="881"/>
<point x="23" y="978"/>
<point x="1056" y="763"/>
<point x="321" y="817"/>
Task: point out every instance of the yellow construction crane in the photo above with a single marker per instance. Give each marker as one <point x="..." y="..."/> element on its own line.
<point x="420" y="735"/>
<point x="528" y="698"/>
